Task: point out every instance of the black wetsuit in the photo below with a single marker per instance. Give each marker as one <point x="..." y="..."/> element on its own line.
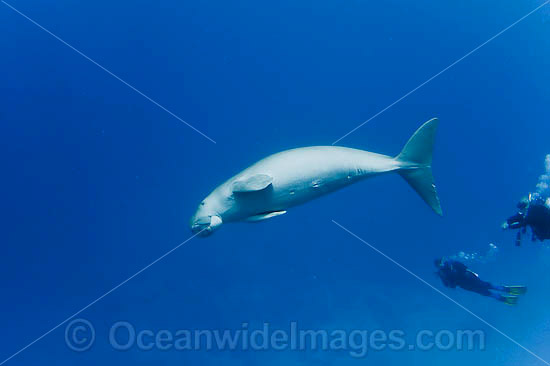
<point x="536" y="216"/>
<point x="454" y="273"/>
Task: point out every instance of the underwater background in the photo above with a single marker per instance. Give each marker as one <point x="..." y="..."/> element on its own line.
<point x="98" y="182"/>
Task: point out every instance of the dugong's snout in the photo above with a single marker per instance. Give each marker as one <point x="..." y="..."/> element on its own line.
<point x="205" y="225"/>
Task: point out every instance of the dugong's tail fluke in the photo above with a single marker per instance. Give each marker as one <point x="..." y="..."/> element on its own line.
<point x="416" y="164"/>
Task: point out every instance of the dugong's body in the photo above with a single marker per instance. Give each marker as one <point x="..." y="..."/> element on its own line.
<point x="289" y="178"/>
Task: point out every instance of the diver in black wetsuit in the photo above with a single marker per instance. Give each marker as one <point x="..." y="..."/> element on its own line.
<point x="454" y="273"/>
<point x="534" y="212"/>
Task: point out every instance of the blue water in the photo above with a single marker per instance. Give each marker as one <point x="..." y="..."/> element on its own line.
<point x="98" y="182"/>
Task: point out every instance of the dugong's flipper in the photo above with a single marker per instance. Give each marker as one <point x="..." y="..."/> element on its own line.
<point x="254" y="183"/>
<point x="416" y="164"/>
<point x="265" y="216"/>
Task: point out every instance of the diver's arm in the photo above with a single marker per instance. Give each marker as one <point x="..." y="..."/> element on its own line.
<point x="515" y="222"/>
<point x="448" y="283"/>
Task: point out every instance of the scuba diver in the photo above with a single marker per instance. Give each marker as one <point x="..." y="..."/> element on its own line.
<point x="454" y="273"/>
<point x="534" y="212"/>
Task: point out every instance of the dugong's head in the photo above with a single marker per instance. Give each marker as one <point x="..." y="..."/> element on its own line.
<point x="207" y="217"/>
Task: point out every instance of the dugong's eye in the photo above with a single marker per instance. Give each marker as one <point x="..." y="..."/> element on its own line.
<point x="202" y="203"/>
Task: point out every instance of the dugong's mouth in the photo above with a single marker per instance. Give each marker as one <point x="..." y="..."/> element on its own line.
<point x="205" y="226"/>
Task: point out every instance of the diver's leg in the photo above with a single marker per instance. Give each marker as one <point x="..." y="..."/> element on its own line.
<point x="488" y="289"/>
<point x="496" y="288"/>
<point x="510" y="290"/>
<point x="480" y="287"/>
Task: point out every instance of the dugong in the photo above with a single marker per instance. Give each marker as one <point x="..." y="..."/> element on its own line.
<point x="292" y="177"/>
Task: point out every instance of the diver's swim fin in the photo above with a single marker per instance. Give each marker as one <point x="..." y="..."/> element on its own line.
<point x="509" y="300"/>
<point x="515" y="290"/>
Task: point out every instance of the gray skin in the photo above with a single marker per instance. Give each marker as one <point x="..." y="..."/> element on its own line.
<point x="294" y="177"/>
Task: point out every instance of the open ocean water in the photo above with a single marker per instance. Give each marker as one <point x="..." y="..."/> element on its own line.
<point x="98" y="181"/>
